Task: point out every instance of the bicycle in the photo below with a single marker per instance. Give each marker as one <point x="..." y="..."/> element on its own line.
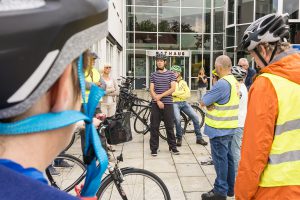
<point x="142" y="123"/>
<point x="119" y="183"/>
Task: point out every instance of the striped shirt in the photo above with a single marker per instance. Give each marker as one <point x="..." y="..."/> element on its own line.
<point x="162" y="82"/>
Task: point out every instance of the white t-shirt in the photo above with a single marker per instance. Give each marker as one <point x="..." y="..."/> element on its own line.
<point x="243" y="104"/>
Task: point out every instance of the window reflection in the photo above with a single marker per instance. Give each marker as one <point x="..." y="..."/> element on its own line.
<point x="168" y="2"/>
<point x="218" y="41"/>
<point x="140" y="63"/>
<point x="145" y="19"/>
<point x="219" y="20"/>
<point x="168" y="19"/>
<point x="230" y="13"/>
<point x="191" y="41"/>
<point x="206" y="42"/>
<point x="129" y="63"/>
<point x="240" y="30"/>
<point x="145" y="40"/>
<point x="218" y="3"/>
<point x="168" y="41"/>
<point x="129" y="41"/>
<point x="291" y="7"/>
<point x="230" y="36"/>
<point x="266" y="7"/>
<point x="145" y="2"/>
<point x="206" y="20"/>
<point x="245" y="11"/>
<point x="192" y="3"/>
<point x="130" y="18"/>
<point x="191" y="20"/>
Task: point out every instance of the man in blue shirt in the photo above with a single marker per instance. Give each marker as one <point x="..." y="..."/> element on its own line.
<point x="243" y="62"/>
<point x="220" y="123"/>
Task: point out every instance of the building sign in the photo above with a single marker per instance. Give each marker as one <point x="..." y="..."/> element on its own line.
<point x="176" y="53"/>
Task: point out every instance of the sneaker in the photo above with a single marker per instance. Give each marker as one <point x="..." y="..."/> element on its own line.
<point x="211" y="195"/>
<point x="179" y="142"/>
<point x="174" y="151"/>
<point x="201" y="141"/>
<point x="62" y="163"/>
<point x="154" y="153"/>
<point x="53" y="171"/>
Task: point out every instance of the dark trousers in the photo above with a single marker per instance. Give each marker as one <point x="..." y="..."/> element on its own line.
<point x="157" y="115"/>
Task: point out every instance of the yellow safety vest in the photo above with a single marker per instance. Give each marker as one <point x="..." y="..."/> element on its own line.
<point x="283" y="167"/>
<point x="226" y="115"/>
<point x="89" y="78"/>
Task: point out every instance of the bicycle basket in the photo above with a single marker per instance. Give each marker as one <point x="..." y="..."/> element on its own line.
<point x="118" y="128"/>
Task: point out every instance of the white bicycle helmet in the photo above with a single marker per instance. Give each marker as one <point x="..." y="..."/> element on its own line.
<point x="238" y="72"/>
<point x="270" y="28"/>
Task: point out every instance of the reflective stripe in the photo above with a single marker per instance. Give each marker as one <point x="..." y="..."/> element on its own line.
<point x="284" y="157"/>
<point x="227" y="107"/>
<point x="287" y="126"/>
<point x="221" y="118"/>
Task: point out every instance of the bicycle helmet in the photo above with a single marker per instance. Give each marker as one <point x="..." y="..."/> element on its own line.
<point x="239" y="73"/>
<point x="39" y="41"/>
<point x="161" y="56"/>
<point x="176" y="68"/>
<point x="214" y="72"/>
<point x="270" y="28"/>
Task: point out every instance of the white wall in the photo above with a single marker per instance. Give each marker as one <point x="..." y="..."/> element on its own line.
<point x="115" y="28"/>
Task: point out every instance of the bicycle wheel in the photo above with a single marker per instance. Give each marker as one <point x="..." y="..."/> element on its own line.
<point x="142" y="121"/>
<point x="70" y="171"/>
<point x="138" y="184"/>
<point x="201" y="116"/>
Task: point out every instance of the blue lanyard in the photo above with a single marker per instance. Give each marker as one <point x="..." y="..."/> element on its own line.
<point x="30" y="172"/>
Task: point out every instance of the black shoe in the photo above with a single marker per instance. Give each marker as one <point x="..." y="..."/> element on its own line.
<point x="179" y="142"/>
<point x="212" y="196"/>
<point x="230" y="194"/>
<point x="53" y="171"/>
<point x="174" y="151"/>
<point x="154" y="153"/>
<point x="61" y="163"/>
<point x="201" y="141"/>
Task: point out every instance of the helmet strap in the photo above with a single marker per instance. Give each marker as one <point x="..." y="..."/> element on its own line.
<point x="273" y="53"/>
<point x="260" y="57"/>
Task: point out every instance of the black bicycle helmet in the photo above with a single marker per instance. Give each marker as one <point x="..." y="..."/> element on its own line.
<point x="238" y="72"/>
<point x="161" y="56"/>
<point x="270" y="28"/>
<point x="39" y="41"/>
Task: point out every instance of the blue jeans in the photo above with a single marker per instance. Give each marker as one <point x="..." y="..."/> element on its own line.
<point x="236" y="147"/>
<point x="189" y="111"/>
<point x="223" y="163"/>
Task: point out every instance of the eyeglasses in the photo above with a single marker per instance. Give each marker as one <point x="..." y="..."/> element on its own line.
<point x="107" y="67"/>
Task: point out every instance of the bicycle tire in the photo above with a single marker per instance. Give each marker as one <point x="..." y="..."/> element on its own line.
<point x="142" y="121"/>
<point x="152" y="187"/>
<point x="201" y="116"/>
<point x="62" y="181"/>
<point x="71" y="142"/>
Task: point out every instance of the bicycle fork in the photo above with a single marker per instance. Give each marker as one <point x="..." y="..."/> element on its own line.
<point x="118" y="178"/>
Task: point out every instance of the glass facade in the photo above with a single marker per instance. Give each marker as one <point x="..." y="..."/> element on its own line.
<point x="241" y="13"/>
<point x="193" y="26"/>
